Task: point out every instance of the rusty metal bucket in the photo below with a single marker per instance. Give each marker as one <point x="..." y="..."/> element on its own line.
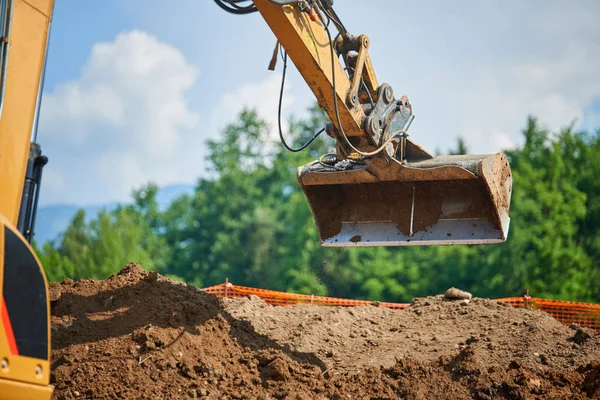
<point x="429" y="201"/>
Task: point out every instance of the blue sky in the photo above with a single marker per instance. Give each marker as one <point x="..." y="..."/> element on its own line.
<point x="133" y="89"/>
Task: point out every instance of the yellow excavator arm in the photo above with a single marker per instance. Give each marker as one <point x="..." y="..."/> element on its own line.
<point x="24" y="304"/>
<point x="377" y="188"/>
<point x="307" y="43"/>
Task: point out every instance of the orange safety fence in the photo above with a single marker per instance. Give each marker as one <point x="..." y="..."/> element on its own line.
<point x="567" y="312"/>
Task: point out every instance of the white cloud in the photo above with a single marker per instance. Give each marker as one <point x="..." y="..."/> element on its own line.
<point x="124" y="121"/>
<point x="539" y="58"/>
<point x="556" y="89"/>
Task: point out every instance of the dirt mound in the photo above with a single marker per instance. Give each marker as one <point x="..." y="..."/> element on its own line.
<point x="351" y="339"/>
<point x="140" y="335"/>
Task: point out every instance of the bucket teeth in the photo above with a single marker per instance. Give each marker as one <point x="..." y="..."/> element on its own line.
<point x="445" y="200"/>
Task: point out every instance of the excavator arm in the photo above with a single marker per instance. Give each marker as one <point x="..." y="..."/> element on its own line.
<point x="305" y="40"/>
<point x="24" y="304"/>
<point x="379" y="188"/>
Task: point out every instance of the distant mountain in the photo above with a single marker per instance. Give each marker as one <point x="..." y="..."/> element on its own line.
<point x="53" y="219"/>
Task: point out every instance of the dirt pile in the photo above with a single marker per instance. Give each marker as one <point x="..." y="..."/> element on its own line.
<point x="140" y="335"/>
<point x="352" y="339"/>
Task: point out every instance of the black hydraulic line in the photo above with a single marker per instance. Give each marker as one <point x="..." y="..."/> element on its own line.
<point x="235" y="9"/>
<point x="316" y="135"/>
<point x="31" y="191"/>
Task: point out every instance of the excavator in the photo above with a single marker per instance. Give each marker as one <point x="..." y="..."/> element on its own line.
<point x="377" y="187"/>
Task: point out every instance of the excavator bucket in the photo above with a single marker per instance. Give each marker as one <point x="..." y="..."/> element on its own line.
<point x="461" y="199"/>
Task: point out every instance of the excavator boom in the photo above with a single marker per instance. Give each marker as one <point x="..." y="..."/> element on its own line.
<point x="379" y="188"/>
<point x="24" y="304"/>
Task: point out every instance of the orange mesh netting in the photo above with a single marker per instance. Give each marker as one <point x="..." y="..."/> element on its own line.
<point x="567" y="312"/>
<point x="285" y="299"/>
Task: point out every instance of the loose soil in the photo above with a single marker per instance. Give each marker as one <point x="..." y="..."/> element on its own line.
<point x="139" y="335"/>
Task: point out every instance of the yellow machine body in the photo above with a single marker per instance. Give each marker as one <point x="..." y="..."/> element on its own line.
<point x="24" y="304"/>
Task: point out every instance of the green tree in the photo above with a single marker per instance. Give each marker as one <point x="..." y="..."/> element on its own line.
<point x="548" y="208"/>
<point x="545" y="252"/>
<point x="250" y="221"/>
<point x="461" y="147"/>
<point x="101" y="247"/>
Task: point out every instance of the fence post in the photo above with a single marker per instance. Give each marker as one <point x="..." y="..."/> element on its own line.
<point x="527" y="298"/>
<point x="226" y="286"/>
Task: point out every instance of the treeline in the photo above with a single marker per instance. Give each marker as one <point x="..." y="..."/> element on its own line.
<point x="251" y="223"/>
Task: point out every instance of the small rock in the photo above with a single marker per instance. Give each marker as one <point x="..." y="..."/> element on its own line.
<point x="464" y="302"/>
<point x="203" y="392"/>
<point x="580" y="336"/>
<point x="276" y="370"/>
<point x="152" y="277"/>
<point x="76" y="393"/>
<point x="535" y="382"/>
<point x="457" y="294"/>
